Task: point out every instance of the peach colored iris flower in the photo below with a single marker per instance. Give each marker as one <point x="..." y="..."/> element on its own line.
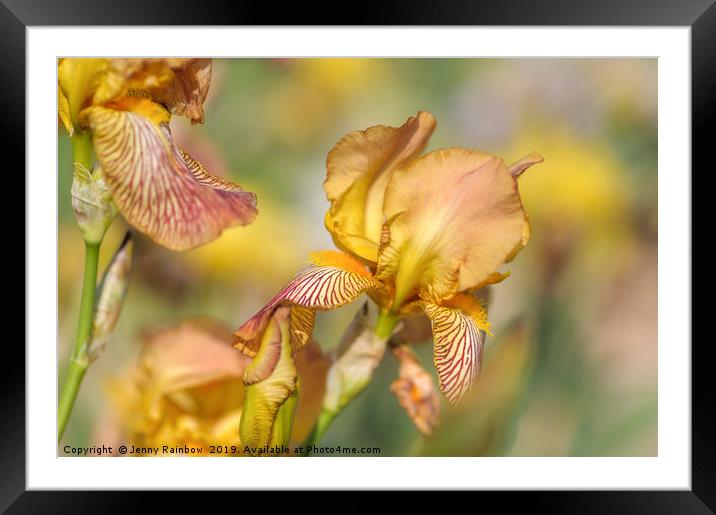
<point x="158" y="188"/>
<point x="416" y="233"/>
<point x="188" y="388"/>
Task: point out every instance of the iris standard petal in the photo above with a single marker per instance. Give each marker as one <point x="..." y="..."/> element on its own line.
<point x="454" y="216"/>
<point x="63" y="111"/>
<point x="357" y="171"/>
<point x="157" y="187"/>
<point x="78" y="80"/>
<point x="332" y="280"/>
<point x="459" y="328"/>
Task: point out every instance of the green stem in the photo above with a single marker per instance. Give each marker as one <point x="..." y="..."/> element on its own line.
<point x="79" y="361"/>
<point x="385" y="324"/>
<point x="383" y="329"/>
<point x="82" y="148"/>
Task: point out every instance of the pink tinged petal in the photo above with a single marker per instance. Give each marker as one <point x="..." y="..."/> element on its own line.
<point x="158" y="188"/>
<point x="454" y="217"/>
<point x="458" y="345"/>
<point x="333" y="280"/>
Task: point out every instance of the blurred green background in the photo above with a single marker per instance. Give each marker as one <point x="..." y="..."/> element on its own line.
<point x="572" y="367"/>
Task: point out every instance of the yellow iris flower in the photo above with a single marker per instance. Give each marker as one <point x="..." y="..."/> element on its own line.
<point x="416" y="232"/>
<point x="126" y="104"/>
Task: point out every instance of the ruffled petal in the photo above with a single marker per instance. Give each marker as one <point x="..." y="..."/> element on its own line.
<point x="156" y="186"/>
<point x="332" y="280"/>
<point x="358" y="168"/>
<point x="454" y="217"/>
<point x="458" y="336"/>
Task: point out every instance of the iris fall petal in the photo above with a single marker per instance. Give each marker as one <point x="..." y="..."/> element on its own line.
<point x="332" y="280"/>
<point x="157" y="187"/>
<point x="458" y="336"/>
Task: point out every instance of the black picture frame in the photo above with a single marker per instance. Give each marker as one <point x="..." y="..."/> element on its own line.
<point x="17" y="15"/>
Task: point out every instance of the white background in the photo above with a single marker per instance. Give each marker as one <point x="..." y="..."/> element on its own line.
<point x="671" y="469"/>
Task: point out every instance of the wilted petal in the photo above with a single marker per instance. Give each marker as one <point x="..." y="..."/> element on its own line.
<point x="415" y="390"/>
<point x="454" y="217"/>
<point x="332" y="280"/>
<point x="112" y="291"/>
<point x="158" y="188"/>
<point x="271" y="382"/>
<point x="186" y="94"/>
<point x="358" y="169"/>
<point x="458" y="336"/>
<point x="179" y="84"/>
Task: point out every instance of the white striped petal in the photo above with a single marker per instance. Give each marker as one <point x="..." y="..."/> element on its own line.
<point x="458" y="342"/>
<point x="332" y="280"/>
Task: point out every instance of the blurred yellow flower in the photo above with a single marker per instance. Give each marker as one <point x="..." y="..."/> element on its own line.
<point x="226" y="258"/>
<point x="316" y="90"/>
<point x="581" y="195"/>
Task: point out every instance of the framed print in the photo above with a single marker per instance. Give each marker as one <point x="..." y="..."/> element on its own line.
<point x="449" y="251"/>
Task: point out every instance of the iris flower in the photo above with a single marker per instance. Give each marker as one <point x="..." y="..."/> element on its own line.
<point x="126" y="104"/>
<point x="188" y="388"/>
<point x="415" y="233"/>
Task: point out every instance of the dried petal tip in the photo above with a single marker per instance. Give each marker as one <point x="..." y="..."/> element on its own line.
<point x="523" y="164"/>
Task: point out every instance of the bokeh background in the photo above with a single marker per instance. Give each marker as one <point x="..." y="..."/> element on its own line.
<point x="572" y="367"/>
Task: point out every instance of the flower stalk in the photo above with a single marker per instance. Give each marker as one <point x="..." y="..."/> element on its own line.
<point x="79" y="361"/>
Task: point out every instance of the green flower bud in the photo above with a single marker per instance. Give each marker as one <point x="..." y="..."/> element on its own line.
<point x="112" y="291"/>
<point x="92" y="203"/>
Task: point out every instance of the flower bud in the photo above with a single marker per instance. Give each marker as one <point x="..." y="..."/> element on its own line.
<point x="271" y="385"/>
<point x="359" y="353"/>
<point x="92" y="203"/>
<point x="112" y="292"/>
